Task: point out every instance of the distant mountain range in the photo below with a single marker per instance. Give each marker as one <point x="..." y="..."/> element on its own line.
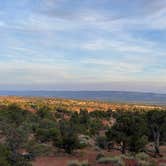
<point x="111" y="96"/>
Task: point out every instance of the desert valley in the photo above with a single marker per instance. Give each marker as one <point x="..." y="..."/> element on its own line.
<point x="65" y="132"/>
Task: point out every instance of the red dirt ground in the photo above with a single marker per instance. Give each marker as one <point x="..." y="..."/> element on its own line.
<point x="87" y="154"/>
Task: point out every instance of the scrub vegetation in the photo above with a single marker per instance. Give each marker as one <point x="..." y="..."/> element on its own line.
<point x="32" y="130"/>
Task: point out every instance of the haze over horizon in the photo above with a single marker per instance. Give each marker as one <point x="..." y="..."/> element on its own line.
<point x="83" y="45"/>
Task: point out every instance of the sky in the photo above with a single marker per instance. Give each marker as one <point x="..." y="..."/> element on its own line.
<point x="83" y="45"/>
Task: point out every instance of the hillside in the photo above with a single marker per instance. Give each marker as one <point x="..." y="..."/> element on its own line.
<point x="37" y="131"/>
<point x="71" y="104"/>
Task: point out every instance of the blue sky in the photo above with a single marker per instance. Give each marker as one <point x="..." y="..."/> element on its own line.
<point x="83" y="45"/>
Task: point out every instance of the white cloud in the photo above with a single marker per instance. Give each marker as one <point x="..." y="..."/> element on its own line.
<point x="108" y="43"/>
<point x="22" y="72"/>
<point x="121" y="46"/>
<point x="2" y="24"/>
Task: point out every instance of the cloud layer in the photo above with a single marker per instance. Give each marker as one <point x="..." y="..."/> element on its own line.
<point x="65" y="44"/>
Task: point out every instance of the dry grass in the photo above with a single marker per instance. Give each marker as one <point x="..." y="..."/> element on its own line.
<point x="30" y="103"/>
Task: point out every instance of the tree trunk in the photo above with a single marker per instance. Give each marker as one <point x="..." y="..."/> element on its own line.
<point x="123" y="148"/>
<point x="156" y="135"/>
<point x="157" y="144"/>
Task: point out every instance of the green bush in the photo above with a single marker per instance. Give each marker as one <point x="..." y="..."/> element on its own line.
<point x="4" y="155"/>
<point x="37" y="149"/>
<point x="143" y="163"/>
<point x="99" y="155"/>
<point x="101" y="141"/>
<point x="46" y="130"/>
<point x="73" y="163"/>
<point x="44" y="112"/>
<point x="85" y="163"/>
<point x="67" y="139"/>
<point x="78" y="163"/>
<point x="84" y="141"/>
<point x="18" y="160"/>
<point x="142" y="156"/>
<point x="107" y="160"/>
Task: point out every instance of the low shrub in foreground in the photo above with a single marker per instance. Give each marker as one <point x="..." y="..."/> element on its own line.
<point x="142" y="156"/>
<point x="111" y="160"/>
<point x="146" y="163"/>
<point x="38" y="149"/>
<point x="99" y="155"/>
<point x="78" y="163"/>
